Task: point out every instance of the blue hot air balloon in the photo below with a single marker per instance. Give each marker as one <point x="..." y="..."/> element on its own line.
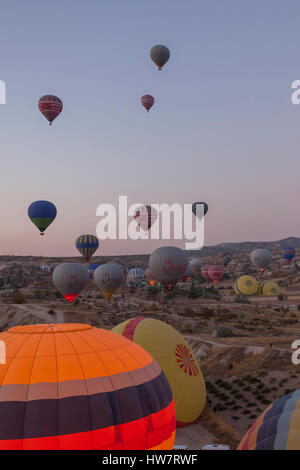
<point x="87" y="245"/>
<point x="42" y="214"/>
<point x="288" y="252"/>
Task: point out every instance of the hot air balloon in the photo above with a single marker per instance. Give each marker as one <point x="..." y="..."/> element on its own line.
<point x="147" y="101"/>
<point x="50" y="106"/>
<point x="225" y="258"/>
<point x="136" y="276"/>
<point x="188" y="273"/>
<point x="200" y="206"/>
<point x="288" y="252"/>
<point x="160" y="55"/>
<point x="196" y="265"/>
<point x="87" y="245"/>
<point x="71" y="386"/>
<point x="108" y="278"/>
<point x="246" y="285"/>
<point x="205" y="272"/>
<point x="278" y="428"/>
<point x="216" y="272"/>
<point x="176" y="359"/>
<point x="149" y="276"/>
<point x="42" y="214"/>
<point x="168" y="265"/>
<point x="70" y="279"/>
<point x="145" y="216"/>
<point x="269" y="288"/>
<point x="261" y="258"/>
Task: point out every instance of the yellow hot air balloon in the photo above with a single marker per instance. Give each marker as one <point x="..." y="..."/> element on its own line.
<point x="176" y="359"/>
<point x="269" y="288"/>
<point x="246" y="285"/>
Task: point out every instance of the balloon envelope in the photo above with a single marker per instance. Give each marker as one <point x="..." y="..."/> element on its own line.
<point x="108" y="277"/>
<point x="71" y="386"/>
<point x="42" y="214"/>
<point x="50" y="106"/>
<point x="168" y="265"/>
<point x="216" y="272"/>
<point x="205" y="272"/>
<point x="225" y="258"/>
<point x="199" y="209"/>
<point x="246" y="285"/>
<point x="70" y="279"/>
<point x="160" y="55"/>
<point x="188" y="273"/>
<point x="176" y="359"/>
<point x="269" y="288"/>
<point x="147" y="101"/>
<point x="278" y="428"/>
<point x="196" y="265"/>
<point x="136" y="275"/>
<point x="145" y="216"/>
<point x="87" y="245"/>
<point x="150" y="277"/>
<point x="288" y="252"/>
<point x="261" y="258"/>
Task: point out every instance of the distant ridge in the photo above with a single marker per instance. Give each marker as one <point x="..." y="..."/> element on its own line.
<point x="207" y="251"/>
<point x="245" y="247"/>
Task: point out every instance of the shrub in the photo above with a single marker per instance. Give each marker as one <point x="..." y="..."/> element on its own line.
<point x="224" y="332"/>
<point x="18" y="298"/>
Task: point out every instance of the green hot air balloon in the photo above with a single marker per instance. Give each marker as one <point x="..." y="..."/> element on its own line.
<point x="42" y="214"/>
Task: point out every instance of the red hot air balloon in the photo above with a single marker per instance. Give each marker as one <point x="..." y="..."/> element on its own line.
<point x="216" y="272"/>
<point x="50" y="106"/>
<point x="145" y="216"/>
<point x="147" y="101"/>
<point x="205" y="272"/>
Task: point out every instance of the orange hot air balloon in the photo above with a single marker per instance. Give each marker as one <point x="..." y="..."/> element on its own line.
<point x="216" y="272"/>
<point x="147" y="101"/>
<point x="75" y="387"/>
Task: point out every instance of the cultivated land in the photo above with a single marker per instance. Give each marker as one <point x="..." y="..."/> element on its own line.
<point x="244" y="349"/>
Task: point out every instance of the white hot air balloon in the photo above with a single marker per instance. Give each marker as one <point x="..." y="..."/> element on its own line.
<point x="108" y="278"/>
<point x="70" y="279"/>
<point x="168" y="265"/>
<point x="261" y="258"/>
<point x="136" y="276"/>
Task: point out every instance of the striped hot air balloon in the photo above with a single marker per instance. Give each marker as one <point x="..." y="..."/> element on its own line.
<point x="76" y="387"/>
<point x="216" y="272"/>
<point x="176" y="359"/>
<point x="87" y="245"/>
<point x="278" y="428"/>
<point x="50" y="106"/>
<point x="288" y="252"/>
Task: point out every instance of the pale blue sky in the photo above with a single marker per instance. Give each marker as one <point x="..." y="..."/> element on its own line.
<point x="223" y="128"/>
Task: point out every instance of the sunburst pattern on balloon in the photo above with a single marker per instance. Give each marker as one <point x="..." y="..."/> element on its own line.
<point x="185" y="360"/>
